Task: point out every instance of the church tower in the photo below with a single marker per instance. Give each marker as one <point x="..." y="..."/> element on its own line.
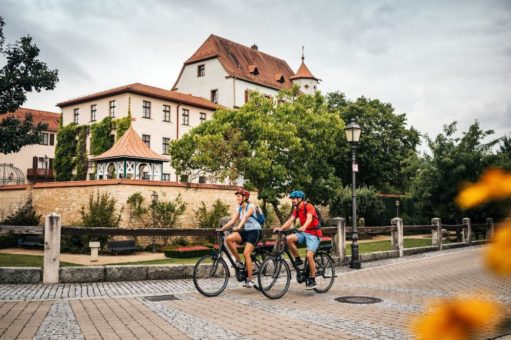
<point x="304" y="78"/>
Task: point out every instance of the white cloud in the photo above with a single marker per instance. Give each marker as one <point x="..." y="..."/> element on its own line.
<point x="436" y="61"/>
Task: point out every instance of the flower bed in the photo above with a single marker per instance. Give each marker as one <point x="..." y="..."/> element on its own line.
<point x="187" y="252"/>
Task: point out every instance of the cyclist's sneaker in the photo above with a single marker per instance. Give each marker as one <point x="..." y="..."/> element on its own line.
<point x="248" y="283"/>
<point x="311" y="283"/>
<point x="298" y="262"/>
<point x="239" y="265"/>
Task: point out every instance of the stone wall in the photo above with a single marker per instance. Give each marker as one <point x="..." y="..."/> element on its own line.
<point x="67" y="198"/>
<point x="12" y="197"/>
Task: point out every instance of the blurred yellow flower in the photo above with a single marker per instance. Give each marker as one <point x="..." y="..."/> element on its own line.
<point x="457" y="319"/>
<point x="494" y="184"/>
<point x="498" y="254"/>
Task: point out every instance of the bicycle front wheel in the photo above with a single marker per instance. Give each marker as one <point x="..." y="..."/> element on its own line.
<point x="325" y="273"/>
<point x="274" y="277"/>
<point x="210" y="275"/>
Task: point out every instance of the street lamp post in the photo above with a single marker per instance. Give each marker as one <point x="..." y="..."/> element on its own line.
<point x="353" y="136"/>
<point x="154" y="200"/>
<point x="397" y="208"/>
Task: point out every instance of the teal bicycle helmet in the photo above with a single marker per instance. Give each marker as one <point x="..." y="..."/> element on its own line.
<point x="297" y="194"/>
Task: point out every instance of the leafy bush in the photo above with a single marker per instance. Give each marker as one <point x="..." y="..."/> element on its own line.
<point x="211" y="218"/>
<point x="137" y="209"/>
<point x="167" y="214"/>
<point x="26" y="215"/>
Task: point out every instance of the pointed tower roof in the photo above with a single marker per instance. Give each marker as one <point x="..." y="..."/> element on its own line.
<point x="303" y="71"/>
<point x="130" y="145"/>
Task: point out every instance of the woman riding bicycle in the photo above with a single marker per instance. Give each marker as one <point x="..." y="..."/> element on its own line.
<point x="248" y="230"/>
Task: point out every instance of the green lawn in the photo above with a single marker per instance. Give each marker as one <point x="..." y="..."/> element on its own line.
<point x="8" y="260"/>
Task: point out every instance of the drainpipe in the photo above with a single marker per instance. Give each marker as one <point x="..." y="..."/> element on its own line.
<point x="177" y="129"/>
<point x="234" y="90"/>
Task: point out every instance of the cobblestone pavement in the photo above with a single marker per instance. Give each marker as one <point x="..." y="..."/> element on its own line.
<point x="115" y="310"/>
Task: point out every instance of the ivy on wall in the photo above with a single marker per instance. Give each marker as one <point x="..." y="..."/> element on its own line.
<point x="121" y="125"/>
<point x="101" y="139"/>
<point x="81" y="160"/>
<point x="65" y="152"/>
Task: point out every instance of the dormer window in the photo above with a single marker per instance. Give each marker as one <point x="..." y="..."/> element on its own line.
<point x="279" y="77"/>
<point x="253" y="69"/>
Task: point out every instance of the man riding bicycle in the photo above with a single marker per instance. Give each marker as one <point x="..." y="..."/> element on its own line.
<point x="308" y="232"/>
<point x="248" y="230"/>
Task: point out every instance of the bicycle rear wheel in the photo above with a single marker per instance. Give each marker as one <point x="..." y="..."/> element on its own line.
<point x="210" y="275"/>
<point x="325" y="272"/>
<point x="274" y="277"/>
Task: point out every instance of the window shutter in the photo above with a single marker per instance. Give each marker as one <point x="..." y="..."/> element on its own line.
<point x="52" y="139"/>
<point x="34" y="162"/>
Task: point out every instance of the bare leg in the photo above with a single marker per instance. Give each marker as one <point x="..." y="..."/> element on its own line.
<point x="249" y="247"/>
<point x="232" y="241"/>
<point x="312" y="264"/>
<point x="291" y="243"/>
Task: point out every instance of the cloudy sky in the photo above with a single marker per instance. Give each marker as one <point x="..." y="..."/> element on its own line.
<point x="436" y="61"/>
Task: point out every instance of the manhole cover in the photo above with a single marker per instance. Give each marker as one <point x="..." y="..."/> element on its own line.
<point x="161" y="298"/>
<point x="359" y="300"/>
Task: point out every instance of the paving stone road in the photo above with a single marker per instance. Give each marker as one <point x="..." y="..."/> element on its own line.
<point x="120" y="310"/>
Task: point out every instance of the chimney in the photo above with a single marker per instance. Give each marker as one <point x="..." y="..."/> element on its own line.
<point x="254" y="47"/>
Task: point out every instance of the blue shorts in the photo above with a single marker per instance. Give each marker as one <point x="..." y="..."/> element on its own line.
<point x="311" y="240"/>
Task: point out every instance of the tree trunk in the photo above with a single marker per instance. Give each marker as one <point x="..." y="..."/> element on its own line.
<point x="278" y="212"/>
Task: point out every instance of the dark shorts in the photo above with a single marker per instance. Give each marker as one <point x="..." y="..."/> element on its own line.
<point x="250" y="236"/>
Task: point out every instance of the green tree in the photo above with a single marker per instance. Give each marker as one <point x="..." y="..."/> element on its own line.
<point x="387" y="147"/>
<point x="453" y="160"/>
<point x="369" y="205"/>
<point x="26" y="215"/>
<point x="22" y="73"/>
<point x="211" y="218"/>
<point x="100" y="212"/>
<point x="274" y="145"/>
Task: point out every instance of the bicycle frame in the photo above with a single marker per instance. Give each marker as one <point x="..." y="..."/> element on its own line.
<point x="301" y="274"/>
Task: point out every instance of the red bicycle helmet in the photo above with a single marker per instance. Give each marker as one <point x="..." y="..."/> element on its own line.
<point x="243" y="192"/>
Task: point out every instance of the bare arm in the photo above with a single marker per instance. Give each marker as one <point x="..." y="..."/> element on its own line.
<point x="231" y="222"/>
<point x="286" y="224"/>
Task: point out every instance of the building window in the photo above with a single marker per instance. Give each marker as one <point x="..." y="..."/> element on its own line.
<point x="147" y="140"/>
<point x="202" y="179"/>
<point x="52" y="139"/>
<point x="44" y="140"/>
<point x="203" y="117"/>
<point x="165" y="177"/>
<point x="75" y="116"/>
<point x="93" y="109"/>
<point x="165" y="146"/>
<point x="201" y="70"/>
<point x="214" y="96"/>
<point x="186" y="117"/>
<point x="112" y="108"/>
<point x="183" y="178"/>
<point x="166" y="113"/>
<point x="147" y="109"/>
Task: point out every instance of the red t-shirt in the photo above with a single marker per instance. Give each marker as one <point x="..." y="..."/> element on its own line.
<point x="301" y="212"/>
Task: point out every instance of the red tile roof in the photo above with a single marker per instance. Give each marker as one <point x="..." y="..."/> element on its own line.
<point x="146" y="90"/>
<point x="38" y="116"/>
<point x="130" y="145"/>
<point x="240" y="61"/>
<point x="303" y="73"/>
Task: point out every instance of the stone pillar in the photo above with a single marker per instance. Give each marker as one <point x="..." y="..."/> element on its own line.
<point x="397" y="236"/>
<point x="94" y="247"/>
<point x="339" y="241"/>
<point x="437" y="232"/>
<point x="490" y="228"/>
<point x="467" y="230"/>
<point x="51" y="265"/>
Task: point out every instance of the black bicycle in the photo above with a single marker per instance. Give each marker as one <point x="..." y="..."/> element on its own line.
<point x="211" y="273"/>
<point x="275" y="273"/>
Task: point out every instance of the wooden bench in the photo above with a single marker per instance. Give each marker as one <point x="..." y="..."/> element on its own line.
<point x="121" y="246"/>
<point x="32" y="242"/>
